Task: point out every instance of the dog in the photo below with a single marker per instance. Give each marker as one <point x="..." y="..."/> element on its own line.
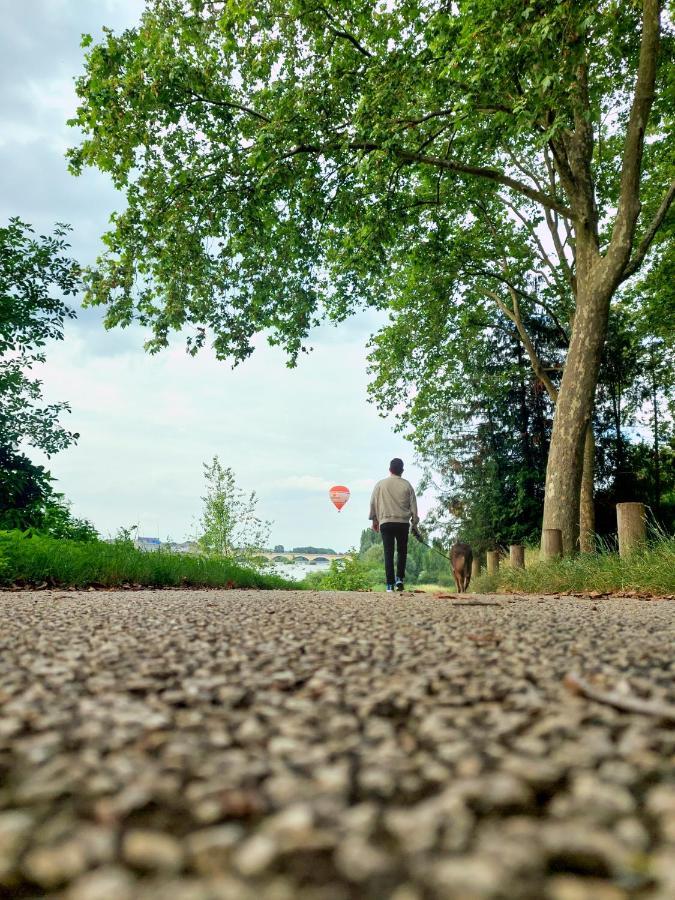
<point x="461" y="557"/>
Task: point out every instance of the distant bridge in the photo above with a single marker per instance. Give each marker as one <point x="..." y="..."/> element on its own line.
<point x="304" y="557"/>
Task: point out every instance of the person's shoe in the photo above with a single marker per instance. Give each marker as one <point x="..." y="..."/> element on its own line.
<point x="399" y="584"/>
<point x="390" y="588"/>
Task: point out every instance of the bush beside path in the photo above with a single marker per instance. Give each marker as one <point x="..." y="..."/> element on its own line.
<point x="317" y="746"/>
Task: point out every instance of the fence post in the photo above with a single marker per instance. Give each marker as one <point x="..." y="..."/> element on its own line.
<point x="517" y="556"/>
<point x="492" y="562"/>
<point x="551" y="543"/>
<point x="475" y="568"/>
<point x="630" y="523"/>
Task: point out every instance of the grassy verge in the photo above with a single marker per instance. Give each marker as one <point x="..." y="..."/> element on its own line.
<point x="44" y="560"/>
<point x="650" y="571"/>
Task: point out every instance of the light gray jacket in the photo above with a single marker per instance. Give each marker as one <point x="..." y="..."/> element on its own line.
<point x="393" y="500"/>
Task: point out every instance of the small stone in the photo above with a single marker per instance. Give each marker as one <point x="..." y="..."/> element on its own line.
<point x="567" y="887"/>
<point x="632" y="834"/>
<point x="250" y="731"/>
<point x="661" y="800"/>
<point x="255" y="855"/>
<point x="662" y="868"/>
<point x="466" y="877"/>
<point x="405" y="892"/>
<point x="152" y="851"/>
<point x="292" y="827"/>
<point x="15" y="827"/>
<point x="358" y="860"/>
<point x="55" y="865"/>
<point x="109" y="883"/>
<point x="210" y="850"/>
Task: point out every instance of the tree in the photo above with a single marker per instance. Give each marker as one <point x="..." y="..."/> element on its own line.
<point x="34" y="276"/>
<point x="229" y="524"/>
<point x="289" y="153"/>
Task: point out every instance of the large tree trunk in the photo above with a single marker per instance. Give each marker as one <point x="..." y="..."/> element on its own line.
<point x="587" y="507"/>
<point x="597" y="276"/>
<point x="573" y="410"/>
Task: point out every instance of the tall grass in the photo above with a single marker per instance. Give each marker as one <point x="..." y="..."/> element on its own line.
<point x="39" y="559"/>
<point x="650" y="570"/>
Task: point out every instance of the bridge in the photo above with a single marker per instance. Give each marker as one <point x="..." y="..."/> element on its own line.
<point x="312" y="558"/>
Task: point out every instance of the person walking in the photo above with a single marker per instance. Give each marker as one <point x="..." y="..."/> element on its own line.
<point x="393" y="506"/>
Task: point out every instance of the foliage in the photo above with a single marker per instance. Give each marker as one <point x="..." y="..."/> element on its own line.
<point x="38" y="559"/>
<point x="59" y="522"/>
<point x="24" y="490"/>
<point x="35" y="274"/>
<point x="229" y="524"/>
<point x="290" y="154"/>
<point x="635" y="417"/>
<point x="348" y="574"/>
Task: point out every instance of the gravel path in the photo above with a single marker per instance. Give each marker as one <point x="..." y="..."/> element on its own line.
<point x="245" y="745"/>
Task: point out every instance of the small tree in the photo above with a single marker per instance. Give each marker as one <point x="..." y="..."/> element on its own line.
<point x="229" y="525"/>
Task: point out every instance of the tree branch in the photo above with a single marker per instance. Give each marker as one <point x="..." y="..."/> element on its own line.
<point x="339" y="31"/>
<point x="628" y="210"/>
<point x="493" y="175"/>
<point x="535" y="362"/>
<point x="553" y="229"/>
<point x="450" y="165"/>
<point x="229" y="105"/>
<point x="644" y="245"/>
<point x="543" y="255"/>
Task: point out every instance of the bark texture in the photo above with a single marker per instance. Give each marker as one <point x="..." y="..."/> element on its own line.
<point x="587" y="507"/>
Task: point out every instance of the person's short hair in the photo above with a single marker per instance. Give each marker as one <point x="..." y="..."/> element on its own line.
<point x="396" y="466"/>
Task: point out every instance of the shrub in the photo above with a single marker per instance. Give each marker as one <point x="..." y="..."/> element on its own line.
<point x="347" y="574"/>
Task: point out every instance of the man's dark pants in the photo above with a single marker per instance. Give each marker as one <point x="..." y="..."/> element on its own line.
<point x="395" y="533"/>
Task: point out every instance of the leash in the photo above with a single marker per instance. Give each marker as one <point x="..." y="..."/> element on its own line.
<point x="416" y="532"/>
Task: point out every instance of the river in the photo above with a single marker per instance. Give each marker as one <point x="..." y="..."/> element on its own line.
<point x="297" y="571"/>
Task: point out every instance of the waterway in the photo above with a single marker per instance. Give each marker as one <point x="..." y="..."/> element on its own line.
<point x="297" y="571"/>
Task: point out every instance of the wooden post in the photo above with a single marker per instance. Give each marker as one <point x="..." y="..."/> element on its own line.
<point x="551" y="543"/>
<point x="630" y="523"/>
<point x="475" y="568"/>
<point x="517" y="556"/>
<point x="492" y="562"/>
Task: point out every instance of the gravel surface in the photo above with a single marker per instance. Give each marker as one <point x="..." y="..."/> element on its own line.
<point x="246" y="745"/>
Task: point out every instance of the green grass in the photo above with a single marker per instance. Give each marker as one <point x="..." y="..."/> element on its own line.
<point x="37" y="559"/>
<point x="650" y="570"/>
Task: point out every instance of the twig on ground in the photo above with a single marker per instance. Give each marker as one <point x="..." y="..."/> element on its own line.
<point x="580" y="686"/>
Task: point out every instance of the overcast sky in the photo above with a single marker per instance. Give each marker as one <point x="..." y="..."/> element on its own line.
<point x="148" y="423"/>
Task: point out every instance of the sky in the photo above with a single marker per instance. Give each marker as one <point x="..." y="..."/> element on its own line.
<point x="147" y="423"/>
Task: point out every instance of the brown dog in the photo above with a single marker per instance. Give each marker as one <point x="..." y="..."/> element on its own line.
<point x="461" y="557"/>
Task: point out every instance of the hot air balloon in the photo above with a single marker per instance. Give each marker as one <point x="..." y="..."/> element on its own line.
<point x="339" y="494"/>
